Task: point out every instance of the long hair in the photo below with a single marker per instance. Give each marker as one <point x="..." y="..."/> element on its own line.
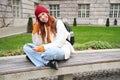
<point x="51" y="23"/>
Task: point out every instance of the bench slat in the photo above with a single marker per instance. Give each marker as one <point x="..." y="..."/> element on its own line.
<point x="20" y="64"/>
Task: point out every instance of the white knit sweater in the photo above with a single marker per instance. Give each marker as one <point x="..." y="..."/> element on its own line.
<point x="58" y="41"/>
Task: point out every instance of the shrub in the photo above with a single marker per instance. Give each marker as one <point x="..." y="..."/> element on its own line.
<point x="93" y="45"/>
<point x="115" y="22"/>
<point x="98" y="45"/>
<point x="79" y="46"/>
<point x="30" y="25"/>
<point x="107" y="22"/>
<point x="74" y="23"/>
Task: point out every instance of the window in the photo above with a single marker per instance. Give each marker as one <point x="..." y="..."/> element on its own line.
<point x="83" y="10"/>
<point x="16" y="8"/>
<point x="55" y="10"/>
<point x="114" y="10"/>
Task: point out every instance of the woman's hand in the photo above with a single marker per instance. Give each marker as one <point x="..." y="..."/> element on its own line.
<point x="39" y="48"/>
<point x="35" y="48"/>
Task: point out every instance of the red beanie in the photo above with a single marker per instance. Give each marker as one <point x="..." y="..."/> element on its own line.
<point x="39" y="9"/>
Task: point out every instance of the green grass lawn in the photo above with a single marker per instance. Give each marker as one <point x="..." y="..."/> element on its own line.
<point x="85" y="34"/>
<point x="13" y="45"/>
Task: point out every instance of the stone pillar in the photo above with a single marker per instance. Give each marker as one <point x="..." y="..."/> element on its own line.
<point x="65" y="77"/>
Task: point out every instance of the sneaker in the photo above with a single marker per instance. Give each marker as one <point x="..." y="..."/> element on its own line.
<point x="53" y="64"/>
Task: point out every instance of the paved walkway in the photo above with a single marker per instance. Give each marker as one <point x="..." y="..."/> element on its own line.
<point x="4" y="32"/>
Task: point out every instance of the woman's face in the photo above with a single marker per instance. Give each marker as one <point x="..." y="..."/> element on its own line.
<point x="43" y="17"/>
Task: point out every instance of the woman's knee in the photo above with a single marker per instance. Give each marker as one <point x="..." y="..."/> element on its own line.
<point x="54" y="53"/>
<point x="25" y="47"/>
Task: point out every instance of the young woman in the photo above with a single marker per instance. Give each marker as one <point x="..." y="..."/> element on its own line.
<point x="49" y="40"/>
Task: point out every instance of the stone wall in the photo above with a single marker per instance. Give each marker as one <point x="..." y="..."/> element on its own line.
<point x="99" y="11"/>
<point x="5" y="12"/>
<point x="26" y="11"/>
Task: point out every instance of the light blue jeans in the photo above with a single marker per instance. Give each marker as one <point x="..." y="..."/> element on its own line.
<point x="42" y="58"/>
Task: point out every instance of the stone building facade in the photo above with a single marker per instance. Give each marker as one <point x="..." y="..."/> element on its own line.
<point x="86" y="12"/>
<point x="16" y="12"/>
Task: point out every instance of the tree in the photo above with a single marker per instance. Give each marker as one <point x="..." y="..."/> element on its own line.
<point x="4" y="11"/>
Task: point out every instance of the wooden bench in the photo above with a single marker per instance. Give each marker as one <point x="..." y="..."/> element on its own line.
<point x="19" y="68"/>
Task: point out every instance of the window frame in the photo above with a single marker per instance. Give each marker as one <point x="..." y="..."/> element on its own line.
<point x="54" y="10"/>
<point x="16" y="8"/>
<point x="114" y="10"/>
<point x="84" y="10"/>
